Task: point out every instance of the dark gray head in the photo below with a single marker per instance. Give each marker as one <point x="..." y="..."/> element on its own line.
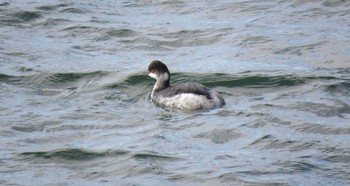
<point x="159" y="71"/>
<point x="158" y="66"/>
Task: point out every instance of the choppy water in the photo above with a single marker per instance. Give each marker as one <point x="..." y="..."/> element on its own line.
<point x="75" y="109"/>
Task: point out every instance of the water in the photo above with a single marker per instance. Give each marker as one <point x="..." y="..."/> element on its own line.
<point x="75" y="106"/>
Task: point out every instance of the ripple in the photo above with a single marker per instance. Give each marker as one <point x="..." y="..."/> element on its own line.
<point x="4" y="4"/>
<point x="27" y="16"/>
<point x="336" y="3"/>
<point x="325" y="110"/>
<point x="338" y="158"/>
<point x="135" y="87"/>
<point x="299" y="50"/>
<point x="251" y="81"/>
<point x="121" y="33"/>
<point x="271" y="142"/>
<point x="117" y="33"/>
<point x="72" y="77"/>
<point x="290" y="166"/>
<point x="4" y="77"/>
<point x="50" y="79"/>
<point x="74" y="154"/>
<point x="53" y="22"/>
<point x="81" y="29"/>
<point x="18" y="18"/>
<point x="341" y="88"/>
<point x="153" y="157"/>
<point x="74" y="10"/>
<point x="219" y="136"/>
<point x="51" y="7"/>
<point x="320" y="129"/>
<point x="234" y="178"/>
<point x="253" y="41"/>
<point x="185" y="38"/>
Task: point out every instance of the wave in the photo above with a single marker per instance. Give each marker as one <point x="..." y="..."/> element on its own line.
<point x="74" y="154"/>
<point x="138" y="85"/>
<point x="83" y="155"/>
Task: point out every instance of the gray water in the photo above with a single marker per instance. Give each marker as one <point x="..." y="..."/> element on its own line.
<point x="75" y="109"/>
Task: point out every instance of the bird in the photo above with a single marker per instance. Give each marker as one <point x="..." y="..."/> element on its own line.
<point x="188" y="96"/>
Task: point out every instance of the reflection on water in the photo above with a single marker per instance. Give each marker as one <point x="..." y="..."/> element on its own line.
<point x="75" y="106"/>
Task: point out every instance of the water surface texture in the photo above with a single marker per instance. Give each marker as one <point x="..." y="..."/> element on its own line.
<point x="75" y="105"/>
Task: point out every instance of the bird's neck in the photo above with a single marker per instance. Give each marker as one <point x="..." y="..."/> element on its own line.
<point x="162" y="83"/>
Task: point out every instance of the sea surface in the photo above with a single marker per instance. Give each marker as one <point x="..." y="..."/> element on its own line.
<point x="75" y="104"/>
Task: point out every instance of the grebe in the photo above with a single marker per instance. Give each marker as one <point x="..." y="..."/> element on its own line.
<point x="186" y="96"/>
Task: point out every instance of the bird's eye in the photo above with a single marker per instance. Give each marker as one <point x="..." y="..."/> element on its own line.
<point x="152" y="70"/>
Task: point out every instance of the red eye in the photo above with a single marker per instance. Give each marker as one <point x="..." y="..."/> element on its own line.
<point x="152" y="70"/>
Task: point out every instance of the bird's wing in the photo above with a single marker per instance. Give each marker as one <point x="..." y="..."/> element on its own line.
<point x="194" y="88"/>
